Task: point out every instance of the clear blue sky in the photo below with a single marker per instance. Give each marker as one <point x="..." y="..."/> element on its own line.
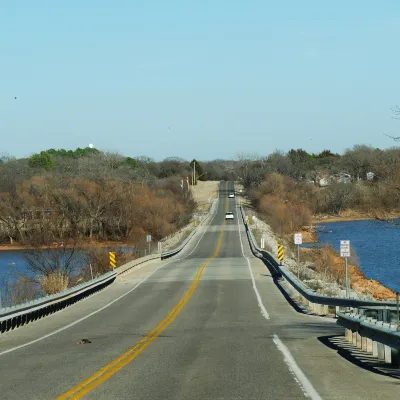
<point x="225" y="76"/>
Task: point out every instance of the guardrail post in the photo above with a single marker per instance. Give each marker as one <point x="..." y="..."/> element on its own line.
<point x="354" y="338"/>
<point x="388" y="350"/>
<point x="395" y="357"/>
<point x="375" y="348"/>
<point x="381" y="351"/>
<point x="358" y="340"/>
<point x="369" y="345"/>
<point x="364" y="343"/>
<point x="388" y="354"/>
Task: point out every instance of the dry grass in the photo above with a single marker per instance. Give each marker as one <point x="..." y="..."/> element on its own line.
<point x="202" y="192"/>
<point x="53" y="283"/>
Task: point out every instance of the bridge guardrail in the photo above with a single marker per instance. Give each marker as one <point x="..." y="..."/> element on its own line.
<point x="302" y="289"/>
<point x="373" y="337"/>
<point x="21" y="314"/>
<point x="173" y="252"/>
<point x="374" y="330"/>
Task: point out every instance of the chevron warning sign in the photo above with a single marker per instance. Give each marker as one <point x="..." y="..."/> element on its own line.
<point x="280" y="253"/>
<point x="113" y="262"/>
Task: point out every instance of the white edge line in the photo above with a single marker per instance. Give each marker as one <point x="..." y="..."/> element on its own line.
<point x="291" y="363"/>
<point x="307" y="386"/>
<point x="105" y="306"/>
<point x="264" y="311"/>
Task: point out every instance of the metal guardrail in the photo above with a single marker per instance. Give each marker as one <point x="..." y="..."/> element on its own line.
<point x="302" y="289"/>
<point x="173" y="252"/>
<point x="373" y="330"/>
<point x="354" y="322"/>
<point x="124" y="269"/>
<point x="11" y="317"/>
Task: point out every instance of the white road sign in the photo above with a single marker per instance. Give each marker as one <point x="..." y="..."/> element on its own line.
<point x="298" y="238"/>
<point x="148" y="238"/>
<point x="345" y="248"/>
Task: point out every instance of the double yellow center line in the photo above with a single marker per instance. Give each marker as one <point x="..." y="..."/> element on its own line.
<point x="110" y="369"/>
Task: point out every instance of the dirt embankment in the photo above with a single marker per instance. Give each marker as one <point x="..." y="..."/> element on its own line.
<point x="203" y="193"/>
<point x="364" y="285"/>
<point x="326" y="260"/>
<point x="358" y="281"/>
<point x="84" y="245"/>
<point x="354" y="215"/>
<point x="309" y="235"/>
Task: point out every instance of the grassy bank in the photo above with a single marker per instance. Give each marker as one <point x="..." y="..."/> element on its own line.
<point x="328" y="262"/>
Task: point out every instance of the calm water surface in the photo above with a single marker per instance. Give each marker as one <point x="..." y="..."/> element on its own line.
<point x="377" y="246"/>
<point x="13" y="262"/>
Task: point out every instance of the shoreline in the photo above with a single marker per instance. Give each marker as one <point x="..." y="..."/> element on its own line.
<point x="320" y="219"/>
<point x="358" y="281"/>
<point x="341" y="219"/>
<point x="85" y="245"/>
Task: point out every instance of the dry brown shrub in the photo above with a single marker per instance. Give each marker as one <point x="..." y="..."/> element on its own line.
<point x="284" y="217"/>
<point x="53" y="283"/>
<point x="324" y="262"/>
<point x="98" y="259"/>
<point x="156" y="212"/>
<point x="331" y="265"/>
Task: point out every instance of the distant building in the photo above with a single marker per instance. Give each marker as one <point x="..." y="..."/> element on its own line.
<point x="344" y="178"/>
<point x="370" y="176"/>
<point x="324" y="182"/>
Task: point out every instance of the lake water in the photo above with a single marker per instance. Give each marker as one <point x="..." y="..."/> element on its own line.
<point x="377" y="246"/>
<point x="13" y="262"/>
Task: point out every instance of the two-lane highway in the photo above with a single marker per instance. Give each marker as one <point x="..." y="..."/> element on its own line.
<point x="210" y="324"/>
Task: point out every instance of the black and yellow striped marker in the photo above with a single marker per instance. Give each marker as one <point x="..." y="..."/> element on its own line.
<point x="280" y="253"/>
<point x="113" y="262"/>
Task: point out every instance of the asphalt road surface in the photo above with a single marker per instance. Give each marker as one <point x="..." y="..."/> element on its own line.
<point x="208" y="324"/>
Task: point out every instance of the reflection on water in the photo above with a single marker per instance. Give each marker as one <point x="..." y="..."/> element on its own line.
<point x="13" y="262"/>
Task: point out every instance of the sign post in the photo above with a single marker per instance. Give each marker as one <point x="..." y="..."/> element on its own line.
<point x="91" y="270"/>
<point x="298" y="240"/>
<point x="148" y="240"/>
<point x="345" y="253"/>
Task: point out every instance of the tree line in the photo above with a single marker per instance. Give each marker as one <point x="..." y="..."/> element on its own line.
<point x="284" y="187"/>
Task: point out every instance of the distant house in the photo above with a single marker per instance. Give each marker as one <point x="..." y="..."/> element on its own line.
<point x="324" y="182"/>
<point x="370" y="176"/>
<point x="344" y="178"/>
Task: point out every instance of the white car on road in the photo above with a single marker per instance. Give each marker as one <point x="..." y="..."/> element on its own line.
<point x="231" y="195"/>
<point x="229" y="215"/>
